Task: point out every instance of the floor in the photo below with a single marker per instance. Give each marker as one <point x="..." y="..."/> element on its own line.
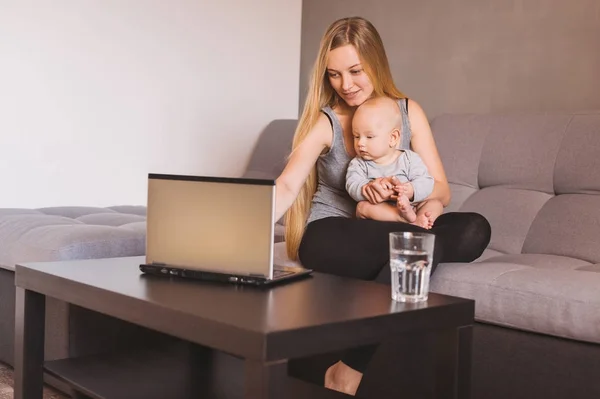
<point x="6" y="384"/>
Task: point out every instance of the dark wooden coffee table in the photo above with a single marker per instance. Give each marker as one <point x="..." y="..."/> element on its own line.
<point x="263" y="327"/>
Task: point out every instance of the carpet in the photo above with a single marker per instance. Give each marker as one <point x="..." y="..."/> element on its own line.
<point x="6" y="386"/>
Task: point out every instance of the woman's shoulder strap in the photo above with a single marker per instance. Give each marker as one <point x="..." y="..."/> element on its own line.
<point x="406" y="131"/>
<point x="329" y="114"/>
<point x="335" y="123"/>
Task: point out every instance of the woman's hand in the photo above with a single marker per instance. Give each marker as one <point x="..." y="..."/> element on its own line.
<point x="406" y="189"/>
<point x="378" y="190"/>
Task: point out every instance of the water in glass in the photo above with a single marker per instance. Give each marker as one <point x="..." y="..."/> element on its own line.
<point x="410" y="275"/>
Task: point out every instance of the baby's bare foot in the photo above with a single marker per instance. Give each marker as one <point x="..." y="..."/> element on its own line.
<point x="423" y="221"/>
<point x="405" y="209"/>
<point x="430" y="220"/>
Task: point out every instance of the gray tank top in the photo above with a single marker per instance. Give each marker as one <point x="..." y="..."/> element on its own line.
<point x="331" y="197"/>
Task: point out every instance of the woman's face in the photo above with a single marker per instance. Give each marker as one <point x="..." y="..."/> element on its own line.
<point x="347" y="76"/>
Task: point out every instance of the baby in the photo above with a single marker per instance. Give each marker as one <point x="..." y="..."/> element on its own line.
<point x="376" y="127"/>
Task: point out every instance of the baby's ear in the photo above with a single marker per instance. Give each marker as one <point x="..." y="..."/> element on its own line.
<point x="394" y="138"/>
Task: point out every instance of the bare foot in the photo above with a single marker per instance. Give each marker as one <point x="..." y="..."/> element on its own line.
<point x="430" y="219"/>
<point x="424" y="220"/>
<point x="342" y="378"/>
<point x="405" y="209"/>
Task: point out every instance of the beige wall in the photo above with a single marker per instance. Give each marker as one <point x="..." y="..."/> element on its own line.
<point x="478" y="56"/>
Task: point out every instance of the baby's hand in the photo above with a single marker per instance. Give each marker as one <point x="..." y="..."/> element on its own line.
<point x="387" y="184"/>
<point x="405" y="189"/>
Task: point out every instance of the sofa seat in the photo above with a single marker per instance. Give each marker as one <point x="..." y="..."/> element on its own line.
<point x="548" y="294"/>
<point x="63" y="233"/>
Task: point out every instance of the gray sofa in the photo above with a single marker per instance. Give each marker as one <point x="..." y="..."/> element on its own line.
<point x="537" y="286"/>
<point x="536" y="178"/>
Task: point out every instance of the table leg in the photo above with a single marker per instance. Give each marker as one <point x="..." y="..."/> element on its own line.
<point x="30" y="314"/>
<point x="453" y="363"/>
<point x="265" y="380"/>
<point x="465" y="354"/>
<point x="202" y="375"/>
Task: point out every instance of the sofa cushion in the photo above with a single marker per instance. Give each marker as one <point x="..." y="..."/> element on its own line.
<point x="270" y="153"/>
<point x="488" y="253"/>
<point x="63" y="233"/>
<point x="520" y="151"/>
<point x="567" y="225"/>
<point x="460" y="140"/>
<point x="576" y="168"/>
<point x="510" y="213"/>
<point x="460" y="194"/>
<point x="547" y="294"/>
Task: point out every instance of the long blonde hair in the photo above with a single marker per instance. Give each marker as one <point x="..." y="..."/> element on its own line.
<point x="361" y="34"/>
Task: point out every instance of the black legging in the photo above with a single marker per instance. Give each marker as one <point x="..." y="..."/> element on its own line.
<point x="359" y="248"/>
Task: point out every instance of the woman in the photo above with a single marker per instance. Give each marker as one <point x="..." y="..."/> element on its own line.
<point x="321" y="229"/>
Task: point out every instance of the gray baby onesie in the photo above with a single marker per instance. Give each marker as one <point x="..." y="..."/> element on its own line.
<point x="409" y="167"/>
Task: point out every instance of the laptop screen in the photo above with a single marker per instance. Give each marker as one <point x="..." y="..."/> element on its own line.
<point x="222" y="225"/>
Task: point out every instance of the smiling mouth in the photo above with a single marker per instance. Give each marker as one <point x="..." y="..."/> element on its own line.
<point x="351" y="94"/>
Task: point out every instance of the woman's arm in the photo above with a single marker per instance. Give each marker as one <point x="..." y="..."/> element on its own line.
<point x="301" y="162"/>
<point x="380" y="189"/>
<point x="422" y="143"/>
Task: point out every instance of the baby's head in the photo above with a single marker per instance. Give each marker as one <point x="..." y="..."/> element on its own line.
<point x="376" y="128"/>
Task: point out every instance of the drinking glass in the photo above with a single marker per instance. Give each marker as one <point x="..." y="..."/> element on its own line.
<point x="411" y="255"/>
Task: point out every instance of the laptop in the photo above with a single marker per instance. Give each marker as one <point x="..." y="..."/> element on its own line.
<point x="214" y="229"/>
